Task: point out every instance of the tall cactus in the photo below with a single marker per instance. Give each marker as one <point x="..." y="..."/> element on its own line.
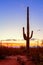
<point x="26" y="37"/>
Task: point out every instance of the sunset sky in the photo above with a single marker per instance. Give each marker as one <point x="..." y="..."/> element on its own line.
<point x="13" y="18"/>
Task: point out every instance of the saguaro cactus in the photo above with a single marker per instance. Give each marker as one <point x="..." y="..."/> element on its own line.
<point x="27" y="37"/>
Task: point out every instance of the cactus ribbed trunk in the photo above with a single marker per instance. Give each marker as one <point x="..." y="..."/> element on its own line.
<point x="27" y="42"/>
<point x="27" y="37"/>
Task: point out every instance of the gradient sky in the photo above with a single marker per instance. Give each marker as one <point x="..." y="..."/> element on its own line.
<point x="13" y="18"/>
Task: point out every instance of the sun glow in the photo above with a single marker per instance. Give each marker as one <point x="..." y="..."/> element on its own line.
<point x="19" y="43"/>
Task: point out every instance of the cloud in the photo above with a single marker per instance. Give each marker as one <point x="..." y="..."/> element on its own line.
<point x="33" y="39"/>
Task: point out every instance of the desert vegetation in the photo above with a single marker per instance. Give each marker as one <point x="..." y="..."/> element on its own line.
<point x="35" y="55"/>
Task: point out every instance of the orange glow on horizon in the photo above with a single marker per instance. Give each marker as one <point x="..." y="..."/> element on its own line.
<point x="19" y="43"/>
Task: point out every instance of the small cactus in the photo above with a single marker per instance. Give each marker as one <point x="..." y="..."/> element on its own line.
<point x="27" y="37"/>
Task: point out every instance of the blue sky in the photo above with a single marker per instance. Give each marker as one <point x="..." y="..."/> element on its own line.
<point x="13" y="18"/>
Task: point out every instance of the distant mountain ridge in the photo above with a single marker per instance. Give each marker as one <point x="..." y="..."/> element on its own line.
<point x="9" y="40"/>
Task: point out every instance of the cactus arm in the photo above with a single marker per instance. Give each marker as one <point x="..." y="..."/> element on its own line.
<point x="24" y="35"/>
<point x="31" y="35"/>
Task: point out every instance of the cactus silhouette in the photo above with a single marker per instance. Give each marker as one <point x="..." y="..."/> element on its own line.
<point x="27" y="37"/>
